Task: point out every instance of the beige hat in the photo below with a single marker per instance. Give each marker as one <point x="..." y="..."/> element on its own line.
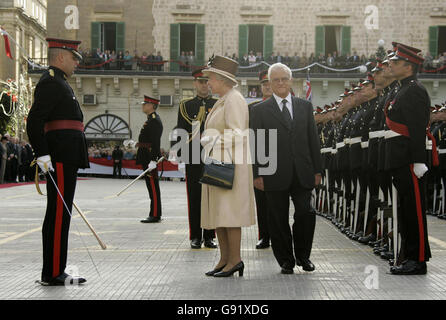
<point x="223" y="66"/>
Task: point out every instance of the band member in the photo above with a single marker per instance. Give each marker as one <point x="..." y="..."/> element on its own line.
<point x="55" y="130"/>
<point x="260" y="195"/>
<point x="192" y="115"/>
<point x="407" y="117"/>
<point x="148" y="154"/>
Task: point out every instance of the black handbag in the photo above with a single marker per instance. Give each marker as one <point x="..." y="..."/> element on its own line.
<point x="217" y="173"/>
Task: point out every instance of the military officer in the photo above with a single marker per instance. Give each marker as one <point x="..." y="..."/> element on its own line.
<point x="148" y="154"/>
<point x="407" y="117"/>
<point x="56" y="132"/>
<point x="192" y="115"/>
<point x="261" y="204"/>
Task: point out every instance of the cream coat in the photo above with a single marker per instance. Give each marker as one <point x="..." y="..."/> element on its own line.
<point x="220" y="207"/>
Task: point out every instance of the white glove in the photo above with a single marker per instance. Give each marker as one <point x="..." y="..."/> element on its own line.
<point x="152" y="165"/>
<point x="182" y="168"/>
<point x="44" y="163"/>
<point x="173" y="157"/>
<point x="420" y="169"/>
<point x="205" y="140"/>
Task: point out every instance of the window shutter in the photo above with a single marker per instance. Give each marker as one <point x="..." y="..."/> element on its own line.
<point x="433" y="41"/>
<point x="95" y="36"/>
<point x="200" y="44"/>
<point x="268" y="41"/>
<point x="120" y="37"/>
<point x="346" y="40"/>
<point x="320" y="41"/>
<point x="242" y="40"/>
<point x="174" y="46"/>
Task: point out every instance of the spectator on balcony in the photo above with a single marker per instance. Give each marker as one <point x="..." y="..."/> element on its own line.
<point x="183" y="61"/>
<point x="279" y="57"/>
<point x="330" y="60"/>
<point x="259" y="57"/>
<point x="245" y="60"/>
<point x="107" y="56"/>
<point x="272" y="58"/>
<point x="128" y="61"/>
<point x="191" y="60"/>
<point x="355" y="59"/>
<point x="234" y="57"/>
<point x="295" y="61"/>
<point x="120" y="60"/>
<point x="159" y="60"/>
<point x="136" y="63"/>
<point x="428" y="59"/>
<point x="252" y="58"/>
<point x="311" y="59"/>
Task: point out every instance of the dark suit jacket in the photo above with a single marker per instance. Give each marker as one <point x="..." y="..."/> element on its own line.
<point x="298" y="147"/>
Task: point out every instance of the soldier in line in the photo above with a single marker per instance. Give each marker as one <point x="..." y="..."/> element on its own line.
<point x="261" y="204"/>
<point x="192" y="115"/>
<point x="56" y="132"/>
<point x="407" y="117"/>
<point x="148" y="154"/>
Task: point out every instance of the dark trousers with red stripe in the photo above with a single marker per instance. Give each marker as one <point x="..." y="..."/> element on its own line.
<point x="153" y="186"/>
<point x="193" y="175"/>
<point x="412" y="223"/>
<point x="262" y="214"/>
<point x="57" y="220"/>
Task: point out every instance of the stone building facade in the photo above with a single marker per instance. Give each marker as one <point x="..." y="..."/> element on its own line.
<point x="25" y="21"/>
<point x="232" y="27"/>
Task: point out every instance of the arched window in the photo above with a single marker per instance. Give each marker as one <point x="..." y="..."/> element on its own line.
<point x="107" y="127"/>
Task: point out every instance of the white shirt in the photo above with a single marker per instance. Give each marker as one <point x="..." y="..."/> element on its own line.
<point x="289" y="103"/>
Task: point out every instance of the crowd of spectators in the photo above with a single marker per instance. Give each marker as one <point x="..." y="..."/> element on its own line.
<point x="15" y="159"/>
<point x="111" y="60"/>
<point x="106" y="152"/>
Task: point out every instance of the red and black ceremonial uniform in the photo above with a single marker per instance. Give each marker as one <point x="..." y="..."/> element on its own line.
<point x="149" y="142"/>
<point x="260" y="196"/>
<point x="55" y="128"/>
<point x="191" y="110"/>
<point x="407" y="116"/>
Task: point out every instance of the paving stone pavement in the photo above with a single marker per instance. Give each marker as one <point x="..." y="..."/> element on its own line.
<point x="154" y="261"/>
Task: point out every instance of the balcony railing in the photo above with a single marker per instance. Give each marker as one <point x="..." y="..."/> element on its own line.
<point x="177" y="68"/>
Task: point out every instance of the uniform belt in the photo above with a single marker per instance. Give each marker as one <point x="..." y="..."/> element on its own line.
<point x="364" y="145"/>
<point x="391" y="134"/>
<point x="63" y="125"/>
<point x="376" y="134"/>
<point x="442" y="151"/>
<point x="334" y="151"/>
<point x="340" y="145"/>
<point x="144" y="145"/>
<point x="347" y="140"/>
<point x="325" y="150"/>
<point x="355" y="140"/>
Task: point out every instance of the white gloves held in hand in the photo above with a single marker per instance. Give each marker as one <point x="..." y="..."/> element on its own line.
<point x="152" y="165"/>
<point x="182" y="168"/>
<point x="44" y="163"/>
<point x="420" y="169"/>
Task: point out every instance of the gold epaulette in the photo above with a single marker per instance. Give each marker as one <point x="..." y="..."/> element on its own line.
<point x="51" y="72"/>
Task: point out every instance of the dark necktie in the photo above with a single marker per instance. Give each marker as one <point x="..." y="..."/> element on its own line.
<point x="286" y="113"/>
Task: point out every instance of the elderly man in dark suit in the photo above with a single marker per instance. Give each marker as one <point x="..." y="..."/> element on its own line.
<point x="298" y="169"/>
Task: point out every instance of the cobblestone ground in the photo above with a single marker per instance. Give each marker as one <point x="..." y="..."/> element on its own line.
<point x="155" y="261"/>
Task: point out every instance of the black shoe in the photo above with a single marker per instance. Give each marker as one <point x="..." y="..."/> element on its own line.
<point x="286" y="270"/>
<point x="262" y="244"/>
<point x="195" y="244"/>
<point x="306" y="264"/>
<point x="210" y="244"/>
<point x="211" y="273"/>
<point x="240" y="267"/>
<point x="62" y="280"/>
<point x="387" y="255"/>
<point x="367" y="239"/>
<point x="410" y="267"/>
<point x="151" y="220"/>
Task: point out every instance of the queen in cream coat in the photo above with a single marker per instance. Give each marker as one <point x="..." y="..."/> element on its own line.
<point x="226" y="138"/>
<point x="221" y="207"/>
